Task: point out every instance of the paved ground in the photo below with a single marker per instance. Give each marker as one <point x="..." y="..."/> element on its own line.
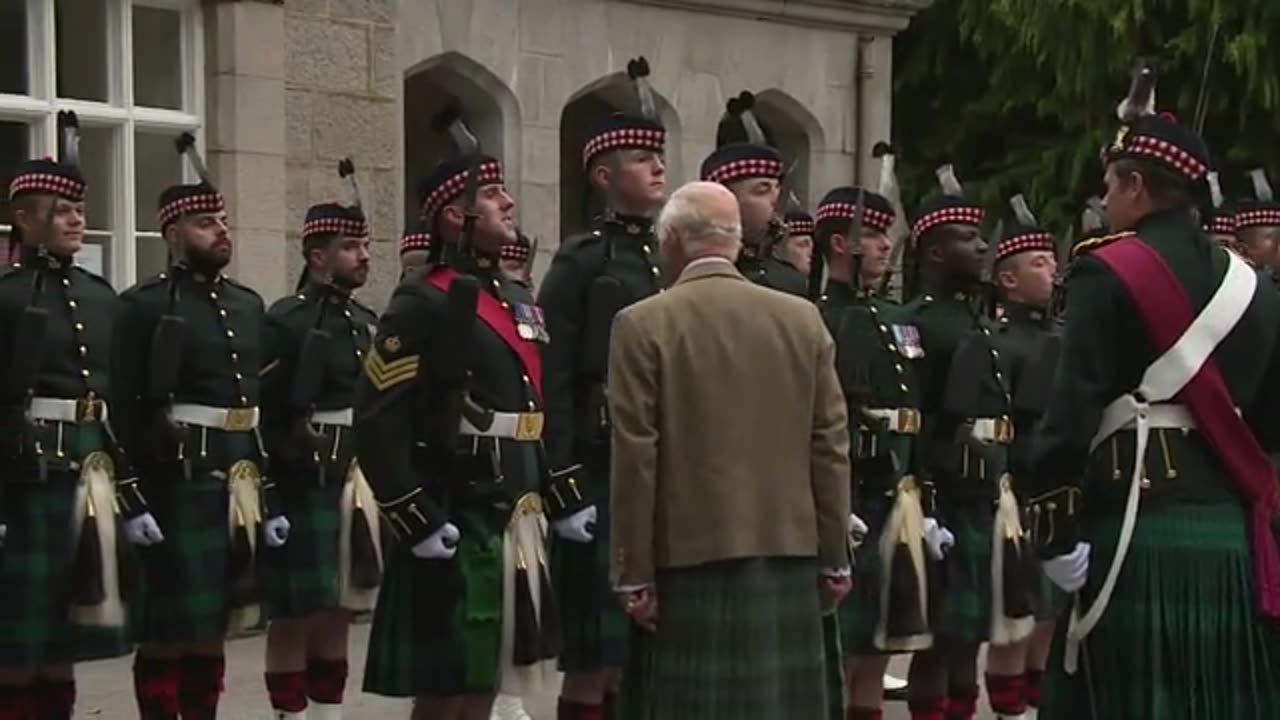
<point x="106" y="688"/>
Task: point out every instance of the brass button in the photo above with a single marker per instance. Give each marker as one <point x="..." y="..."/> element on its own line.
<point x="222" y="313"/>
<point x="231" y="333"/>
<point x="244" y="400"/>
<point x="656" y="271"/>
<point x="986" y="331"/>
<point x="79" y="327"/>
<point x="354" y="333"/>
<point x="359" y="353"/>
<point x="524" y="379"/>
<point x="995" y="354"/>
<point x="213" y="294"/>
<point x="897" y="367"/>
<point x="84" y="372"/>
<point x="904" y="388"/>
<point x="83" y="351"/>
<point x="72" y="304"/>
<point x="346" y="314"/>
<point x="892" y="347"/>
<point x="66" y="282"/>
<point x="505" y="305"/>
<point x="235" y="357"/>
<point x="531" y="405"/>
<point x="647" y="249"/>
<point x="239" y="377"/>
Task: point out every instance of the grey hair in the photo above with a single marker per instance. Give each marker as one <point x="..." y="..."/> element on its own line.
<point x="696" y="230"/>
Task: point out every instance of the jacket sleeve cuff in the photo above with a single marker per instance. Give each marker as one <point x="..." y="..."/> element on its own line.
<point x="566" y="492"/>
<point x="1053" y="519"/>
<point x="412" y="517"/>
<point x="129" y="498"/>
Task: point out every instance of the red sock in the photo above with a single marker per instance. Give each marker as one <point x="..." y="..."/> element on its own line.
<point x="857" y="713"/>
<point x="200" y="686"/>
<point x="1007" y="693"/>
<point x="287" y="691"/>
<point x="1035" y="687"/>
<point x="155" y="684"/>
<point x="570" y="710"/>
<point x="57" y="699"/>
<point x="963" y="703"/>
<point x="326" y="679"/>
<point x="18" y="702"/>
<point x="930" y="709"/>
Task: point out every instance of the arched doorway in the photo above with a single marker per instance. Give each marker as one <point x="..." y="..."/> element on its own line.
<point x="796" y="133"/>
<point x="488" y="106"/>
<point x="608" y="95"/>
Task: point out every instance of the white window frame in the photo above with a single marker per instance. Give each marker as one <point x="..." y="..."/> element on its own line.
<point x="40" y="107"/>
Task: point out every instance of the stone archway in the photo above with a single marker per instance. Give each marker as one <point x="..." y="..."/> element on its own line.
<point x="796" y="133"/>
<point x="488" y="106"/>
<point x="610" y="94"/>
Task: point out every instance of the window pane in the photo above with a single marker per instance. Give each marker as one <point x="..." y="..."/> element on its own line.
<point x="157" y="57"/>
<point x="153" y="256"/>
<point x="95" y="255"/>
<point x="156" y="167"/>
<point x="13" y="150"/>
<point x="98" y="164"/>
<point x="82" y="49"/>
<point x="13" y="47"/>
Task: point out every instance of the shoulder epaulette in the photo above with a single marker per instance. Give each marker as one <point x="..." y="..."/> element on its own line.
<point x="1089" y="246"/>
<point x="287" y="304"/>
<point x="151" y="282"/>
<point x="583" y="240"/>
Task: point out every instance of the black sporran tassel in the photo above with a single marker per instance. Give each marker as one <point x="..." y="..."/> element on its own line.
<point x="1017" y="588"/>
<point x="905" y="618"/>
<point x="366" y="571"/>
<point x="550" y="621"/>
<point x="527" y="650"/>
<point x="89" y="589"/>
<point x="244" y="587"/>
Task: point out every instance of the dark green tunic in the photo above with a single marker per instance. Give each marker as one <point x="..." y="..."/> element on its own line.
<point x="1181" y="637"/>
<point x="773" y="273"/>
<point x="436" y="623"/>
<point x="966" y="482"/>
<point x="37" y="562"/>
<point x="595" y="628"/>
<point x="187" y="596"/>
<point x="303" y="574"/>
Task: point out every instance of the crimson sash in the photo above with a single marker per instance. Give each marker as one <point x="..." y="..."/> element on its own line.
<point x="1167" y="312"/>
<point x="501" y="321"/>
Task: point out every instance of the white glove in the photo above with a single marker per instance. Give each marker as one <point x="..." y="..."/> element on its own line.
<point x="1069" y="571"/>
<point x="4" y="531"/>
<point x="276" y="531"/>
<point x="937" y="539"/>
<point x="143" y="530"/>
<point x="579" y="527"/>
<point x="441" y="545"/>
<point x="857" y="530"/>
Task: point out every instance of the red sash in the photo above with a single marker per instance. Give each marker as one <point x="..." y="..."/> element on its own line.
<point x="501" y="321"/>
<point x="1167" y="312"/>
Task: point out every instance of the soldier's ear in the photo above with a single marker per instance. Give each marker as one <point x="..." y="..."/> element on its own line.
<point x="599" y="174"/>
<point x="451" y="215"/>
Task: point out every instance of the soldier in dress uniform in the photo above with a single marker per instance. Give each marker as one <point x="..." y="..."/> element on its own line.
<point x="448" y="423"/>
<point x="1159" y="512"/>
<point x="58" y="539"/>
<point x="1258" y="224"/>
<point x="1219" y="219"/>
<point x="886" y="612"/>
<point x="797" y="249"/>
<point x="514" y="260"/>
<point x="967" y="431"/>
<point x="753" y="171"/>
<point x="415" y="248"/>
<point x="1025" y="268"/>
<point x="186" y="411"/>
<point x="314" y="347"/>
<point x="591" y="278"/>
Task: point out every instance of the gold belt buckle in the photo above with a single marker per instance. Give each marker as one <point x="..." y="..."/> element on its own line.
<point x="239" y="419"/>
<point x="1004" y="430"/>
<point x="529" y="426"/>
<point x="908" y="421"/>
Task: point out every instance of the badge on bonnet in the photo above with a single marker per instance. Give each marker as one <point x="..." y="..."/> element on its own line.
<point x="908" y="339"/>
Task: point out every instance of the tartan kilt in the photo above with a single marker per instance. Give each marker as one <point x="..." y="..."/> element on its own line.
<point x="301" y="576"/>
<point x="186" y="579"/>
<point x="1052" y="602"/>
<point x="1181" y="638"/>
<point x="961" y="606"/>
<point x="595" y="627"/>
<point x="737" y="639"/>
<point x="860" y="611"/>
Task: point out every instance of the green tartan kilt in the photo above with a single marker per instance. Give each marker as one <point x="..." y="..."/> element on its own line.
<point x="960" y="607"/>
<point x="301" y="576"/>
<point x="860" y="610"/>
<point x="595" y="627"/>
<point x="186" y="579"/>
<point x="36" y="568"/>
<point x="736" y="639"/>
<point x="1052" y="601"/>
<point x="1181" y="638"/>
<point x="415" y="647"/>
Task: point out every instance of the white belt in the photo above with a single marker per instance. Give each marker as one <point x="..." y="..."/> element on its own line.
<point x="68" y="411"/>
<point x="996" y="430"/>
<point x="525" y="427"/>
<point x="341" y="417"/>
<point x="215" y="418"/>
<point x="905" y="421"/>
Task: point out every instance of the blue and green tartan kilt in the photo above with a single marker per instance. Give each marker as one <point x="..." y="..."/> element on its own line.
<point x="37" y="562"/>
<point x="860" y="611"/>
<point x="301" y="576"/>
<point x="186" y="578"/>
<point x="595" y="627"/>
<point x="415" y="647"/>
<point x="960" y="608"/>
<point x="736" y="639"/>
<point x="1181" y="638"/>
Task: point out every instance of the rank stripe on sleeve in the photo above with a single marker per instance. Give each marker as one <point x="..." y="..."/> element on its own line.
<point x="383" y="374"/>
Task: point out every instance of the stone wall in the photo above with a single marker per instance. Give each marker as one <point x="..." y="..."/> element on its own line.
<point x="342" y="88"/>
